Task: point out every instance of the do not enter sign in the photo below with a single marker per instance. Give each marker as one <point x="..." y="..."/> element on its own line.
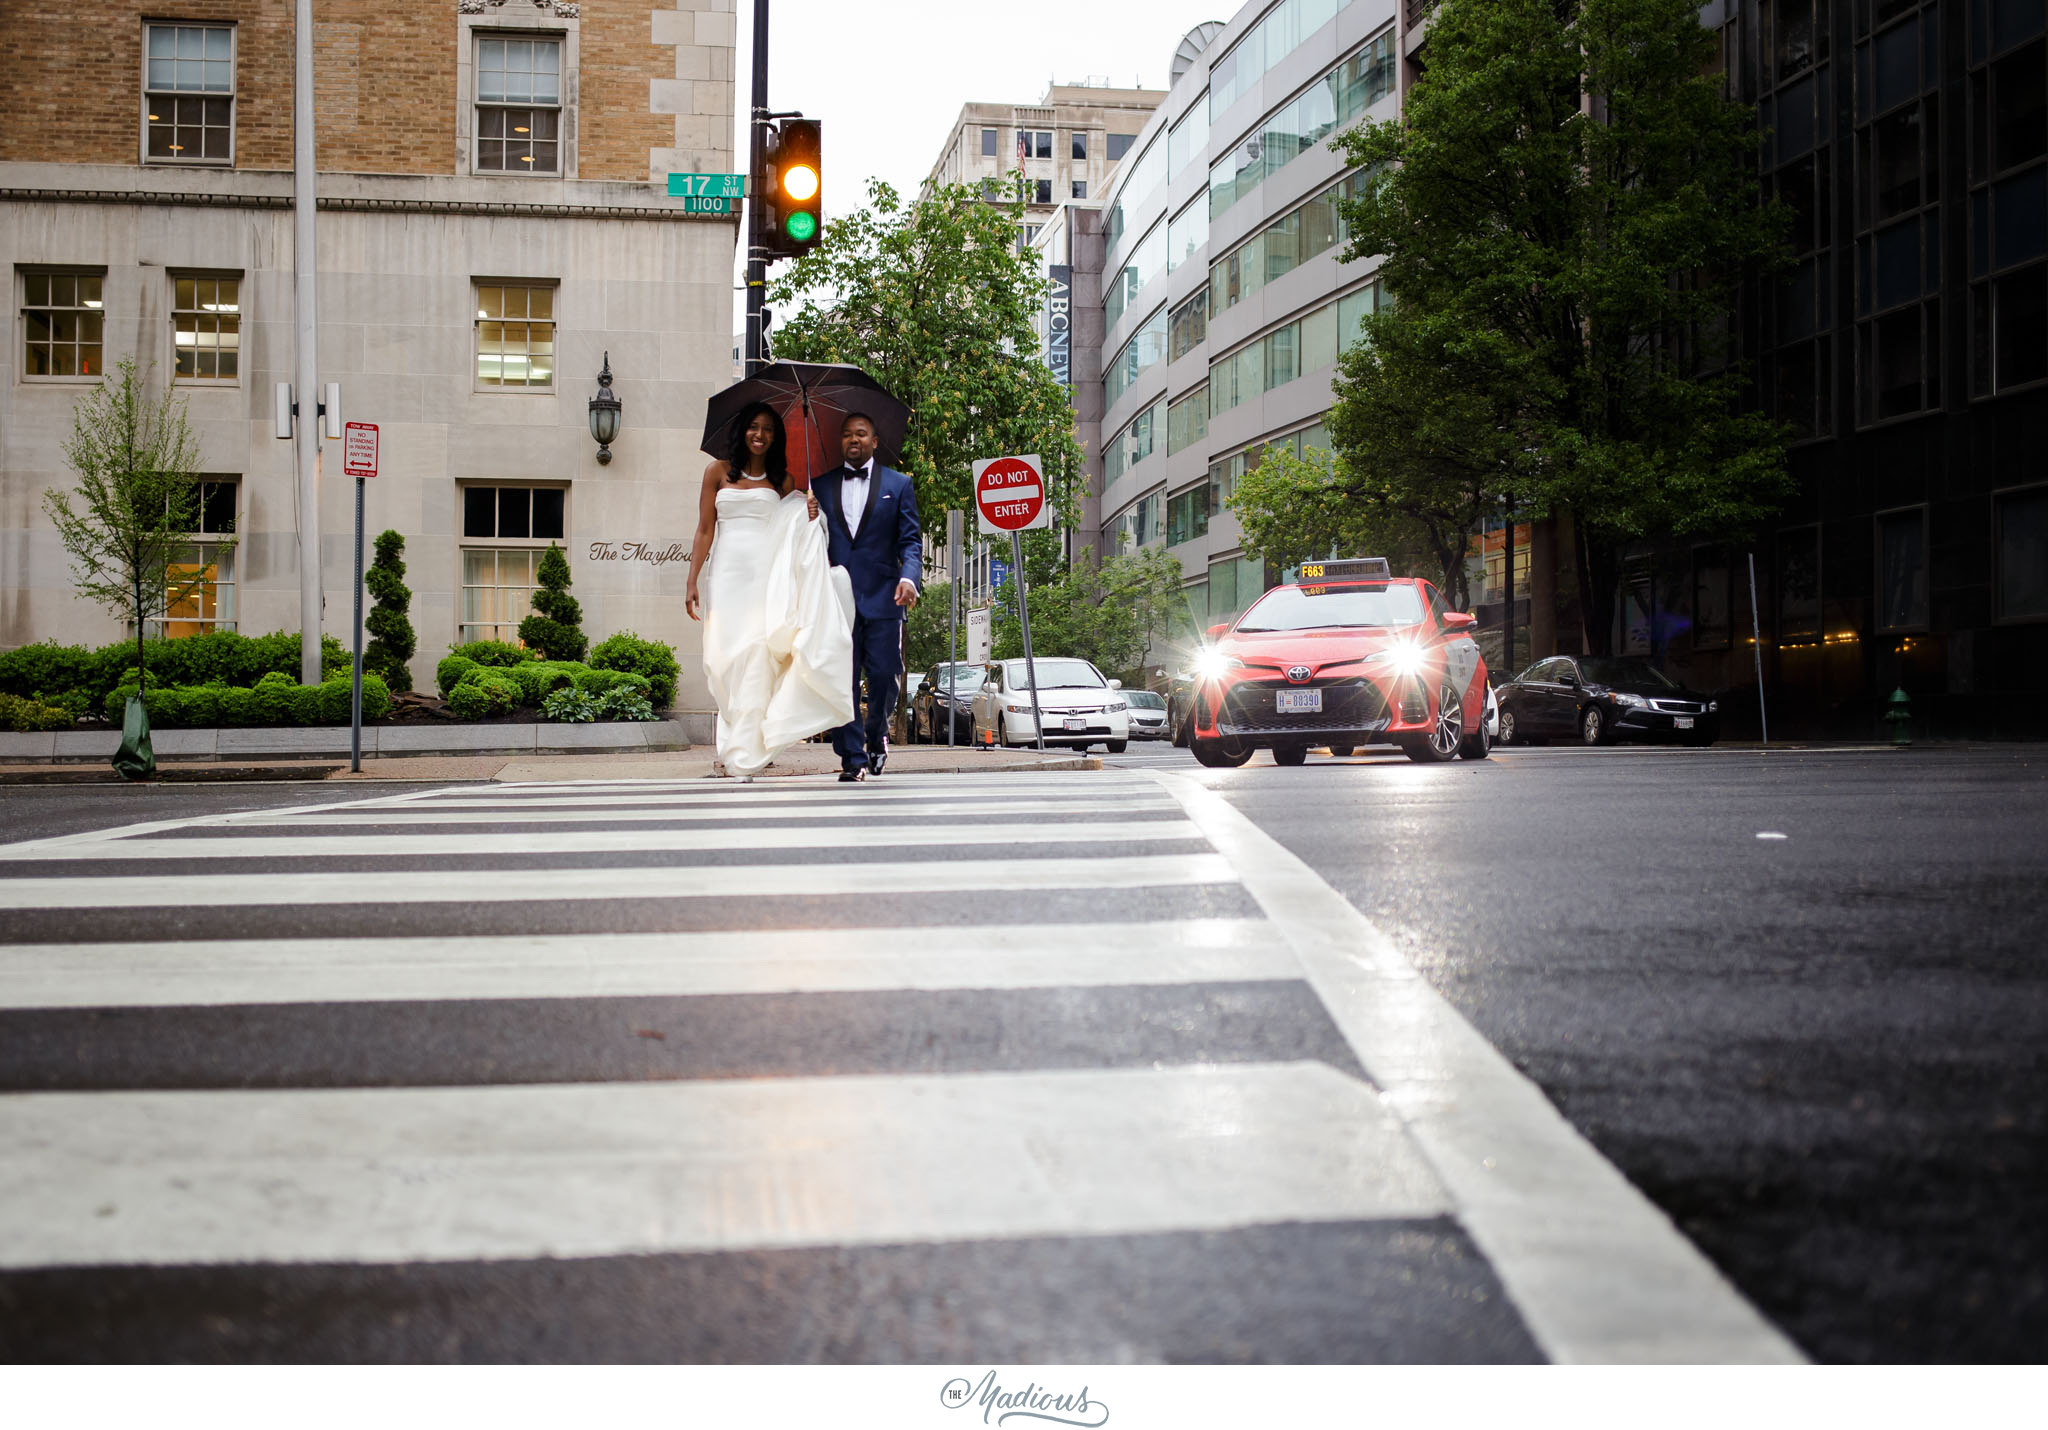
<point x="1009" y="495"/>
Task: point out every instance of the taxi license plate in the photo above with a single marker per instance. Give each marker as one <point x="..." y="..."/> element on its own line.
<point x="1681" y="722"/>
<point x="1073" y="724"/>
<point x="1297" y="702"/>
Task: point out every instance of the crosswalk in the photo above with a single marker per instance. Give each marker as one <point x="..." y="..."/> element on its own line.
<point x="1058" y="1067"/>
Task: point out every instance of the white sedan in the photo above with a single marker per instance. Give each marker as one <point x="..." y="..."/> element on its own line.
<point x="1079" y="706"/>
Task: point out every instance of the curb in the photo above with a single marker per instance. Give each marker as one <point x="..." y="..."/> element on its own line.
<point x="512" y="740"/>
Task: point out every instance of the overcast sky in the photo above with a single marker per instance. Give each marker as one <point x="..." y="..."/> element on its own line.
<point x="888" y="77"/>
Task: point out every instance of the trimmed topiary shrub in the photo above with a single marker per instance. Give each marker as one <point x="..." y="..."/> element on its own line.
<point x="274" y="700"/>
<point x="554" y="629"/>
<point x="26" y="716"/>
<point x="495" y="653"/>
<point x="449" y="673"/>
<point x="652" y="659"/>
<point x="597" y="682"/>
<point x="392" y="641"/>
<point x="270" y="702"/>
<point x="45" y="666"/>
<point x="538" y="678"/>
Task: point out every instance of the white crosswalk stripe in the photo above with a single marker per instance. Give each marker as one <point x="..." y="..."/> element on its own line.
<point x="680" y="1118"/>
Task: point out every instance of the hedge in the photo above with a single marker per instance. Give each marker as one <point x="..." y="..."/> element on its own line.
<point x="25" y="716"/>
<point x="52" y="672"/>
<point x="276" y="699"/>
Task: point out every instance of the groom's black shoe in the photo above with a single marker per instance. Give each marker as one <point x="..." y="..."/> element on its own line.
<point x="876" y="761"/>
<point x="847" y="777"/>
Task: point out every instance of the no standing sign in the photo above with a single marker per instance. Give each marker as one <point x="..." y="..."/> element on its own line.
<point x="1009" y="495"/>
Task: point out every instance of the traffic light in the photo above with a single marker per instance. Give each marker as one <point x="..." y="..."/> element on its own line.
<point x="795" y="189"/>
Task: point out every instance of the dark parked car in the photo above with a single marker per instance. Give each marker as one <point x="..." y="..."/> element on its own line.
<point x="1596" y="700"/>
<point x="935" y="696"/>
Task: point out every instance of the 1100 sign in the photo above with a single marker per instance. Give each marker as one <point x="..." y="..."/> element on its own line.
<point x="707" y="206"/>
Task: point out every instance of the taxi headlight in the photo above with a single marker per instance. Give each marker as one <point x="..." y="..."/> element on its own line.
<point x="1212" y="664"/>
<point x="1402" y="659"/>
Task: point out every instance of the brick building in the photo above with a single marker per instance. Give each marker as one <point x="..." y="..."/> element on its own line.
<point x="493" y="220"/>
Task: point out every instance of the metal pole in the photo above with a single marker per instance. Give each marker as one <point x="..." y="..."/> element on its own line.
<point x="355" y="698"/>
<point x="955" y="535"/>
<point x="307" y="364"/>
<point x="1024" y="623"/>
<point x="757" y="255"/>
<point x="1756" y="642"/>
<point x="1507" y="635"/>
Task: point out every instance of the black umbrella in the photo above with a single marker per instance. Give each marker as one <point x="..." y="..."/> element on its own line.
<point x="812" y="399"/>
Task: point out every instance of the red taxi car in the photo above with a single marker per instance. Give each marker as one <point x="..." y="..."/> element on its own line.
<point x="1345" y="655"/>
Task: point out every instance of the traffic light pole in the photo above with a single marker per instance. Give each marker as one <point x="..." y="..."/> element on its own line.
<point x="757" y="140"/>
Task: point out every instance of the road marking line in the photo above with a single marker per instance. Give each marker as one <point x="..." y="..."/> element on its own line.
<point x="439" y="1174"/>
<point x="614" y="841"/>
<point x="342" y="819"/>
<point x="937" y="876"/>
<point x="1598" y="1272"/>
<point x="669" y="965"/>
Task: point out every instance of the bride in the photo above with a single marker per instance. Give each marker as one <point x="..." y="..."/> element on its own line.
<point x="778" y="618"/>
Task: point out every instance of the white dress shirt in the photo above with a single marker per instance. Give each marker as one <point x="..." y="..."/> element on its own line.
<point x="853" y="495"/>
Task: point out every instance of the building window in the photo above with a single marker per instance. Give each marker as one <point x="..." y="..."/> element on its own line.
<point x="1080" y="145"/>
<point x="206" y="323"/>
<point x="1041" y="191"/>
<point x="1187" y="233"/>
<point x="1304" y="123"/>
<point x="1799" y="586"/>
<point x="1187" y="421"/>
<point x="1307" y="344"/>
<point x="188" y="99"/>
<point x="1902" y="570"/>
<point x="208" y="605"/>
<point x="1188" y="326"/>
<point x="2022" y="521"/>
<point x="1234" y="583"/>
<point x="1034" y="143"/>
<point x="988" y="143"/>
<point x="1187" y="515"/>
<point x="1122" y="286"/>
<point x="518" y="105"/>
<point x="62" y="320"/>
<point x="1118" y="145"/>
<point x="515" y="336"/>
<point x="1142" y="523"/>
<point x="1080" y="188"/>
<point x="1131" y="446"/>
<point x="513" y="513"/>
<point x="1146" y="347"/>
<point x="1711" y="610"/>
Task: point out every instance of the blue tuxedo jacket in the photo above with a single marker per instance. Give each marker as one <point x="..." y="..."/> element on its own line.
<point x="890" y="546"/>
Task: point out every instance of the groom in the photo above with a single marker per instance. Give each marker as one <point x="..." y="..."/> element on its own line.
<point x="872" y="531"/>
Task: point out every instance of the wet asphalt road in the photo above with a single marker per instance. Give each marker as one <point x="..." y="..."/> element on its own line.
<point x="1822" y="1055"/>
<point x="1826" y="1056"/>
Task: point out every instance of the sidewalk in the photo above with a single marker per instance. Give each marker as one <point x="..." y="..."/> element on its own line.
<point x="807" y="759"/>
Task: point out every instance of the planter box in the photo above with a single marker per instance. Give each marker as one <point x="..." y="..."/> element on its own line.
<point x="382" y="741"/>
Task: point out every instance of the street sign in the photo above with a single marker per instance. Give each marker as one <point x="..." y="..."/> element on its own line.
<point x="723" y="207"/>
<point x="1009" y="495"/>
<point x="359" y="449"/>
<point x="707" y="186"/>
<point x="979" y="628"/>
<point x="998" y="572"/>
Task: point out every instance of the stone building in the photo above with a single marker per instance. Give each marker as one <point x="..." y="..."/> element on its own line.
<point x="493" y="220"/>
<point x="1067" y="146"/>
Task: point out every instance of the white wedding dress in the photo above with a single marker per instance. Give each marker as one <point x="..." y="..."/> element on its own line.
<point x="778" y="628"/>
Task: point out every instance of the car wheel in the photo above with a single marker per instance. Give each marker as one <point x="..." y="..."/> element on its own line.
<point x="1446" y="732"/>
<point x="1593" y="728"/>
<point x="1340" y="751"/>
<point x="1478" y="745"/>
<point x="1116" y="747"/>
<point x="1290" y="754"/>
<point x="1509" y="732"/>
<point x="1212" y="754"/>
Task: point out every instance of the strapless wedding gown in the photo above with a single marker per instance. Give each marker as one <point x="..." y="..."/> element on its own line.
<point x="778" y="628"/>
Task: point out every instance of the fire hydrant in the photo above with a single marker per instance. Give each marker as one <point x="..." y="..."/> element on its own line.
<point x="1899" y="715"/>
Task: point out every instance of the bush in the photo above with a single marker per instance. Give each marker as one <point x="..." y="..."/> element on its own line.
<point x="623" y="702"/>
<point x="483" y="692"/>
<point x="652" y="659"/>
<point x="77" y="703"/>
<point x="392" y="641"/>
<point x="554" y="627"/>
<point x="81" y="680"/>
<point x="569" y="706"/>
<point x="537" y="678"/>
<point x="598" y="682"/>
<point x="27" y="716"/>
<point x="494" y="653"/>
<point x="276" y="699"/>
<point x="450" y="672"/>
<point x="44" y="666"/>
<point x="270" y="702"/>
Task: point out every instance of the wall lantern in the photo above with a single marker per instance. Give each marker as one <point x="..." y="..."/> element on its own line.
<point x="604" y="413"/>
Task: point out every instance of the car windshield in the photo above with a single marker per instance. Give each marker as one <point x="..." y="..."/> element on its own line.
<point x="1145" y="700"/>
<point x="1604" y="670"/>
<point x="1315" y="608"/>
<point x="963" y="675"/>
<point x="1052" y="674"/>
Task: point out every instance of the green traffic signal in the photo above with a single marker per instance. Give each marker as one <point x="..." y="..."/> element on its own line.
<point x="802" y="226"/>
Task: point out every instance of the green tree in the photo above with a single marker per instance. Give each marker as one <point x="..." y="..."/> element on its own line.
<point x="1110" y="615"/>
<point x="553" y="629"/>
<point x="933" y="299"/>
<point x="128" y="525"/>
<point x="392" y="641"/>
<point x="1564" y="213"/>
